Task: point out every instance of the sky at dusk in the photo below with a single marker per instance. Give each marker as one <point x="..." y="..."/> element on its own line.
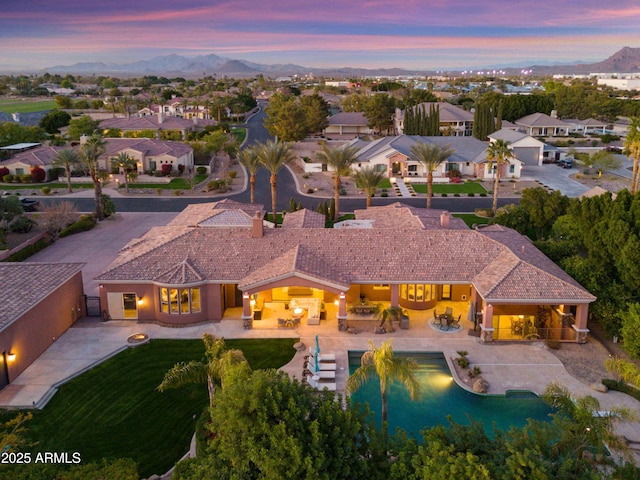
<point x="414" y="34"/>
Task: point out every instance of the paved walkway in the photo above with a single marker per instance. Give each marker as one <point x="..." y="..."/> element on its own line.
<point x="404" y="191"/>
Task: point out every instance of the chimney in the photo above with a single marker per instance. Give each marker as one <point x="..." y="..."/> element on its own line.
<point x="444" y="220"/>
<point x="160" y="116"/>
<point x="257" y="230"/>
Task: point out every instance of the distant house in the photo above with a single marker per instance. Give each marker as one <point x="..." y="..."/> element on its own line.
<point x="542" y="125"/>
<point x="454" y="121"/>
<point x="41" y="157"/>
<point x="586" y="126"/>
<point x="150" y="154"/>
<point x="348" y="125"/>
<point x="161" y="124"/>
<point x="392" y="155"/>
<point x="41" y="301"/>
<point x="525" y="148"/>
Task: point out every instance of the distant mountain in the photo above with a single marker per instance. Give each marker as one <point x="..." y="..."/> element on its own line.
<point x="626" y="60"/>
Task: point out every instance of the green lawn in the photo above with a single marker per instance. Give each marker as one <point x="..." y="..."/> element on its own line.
<point x="114" y="410"/>
<point x="386" y="183"/>
<point x="24" y="106"/>
<point x="470" y="219"/>
<point x="240" y="134"/>
<point x="453" y="188"/>
<point x="51" y="185"/>
<point x="178" y="183"/>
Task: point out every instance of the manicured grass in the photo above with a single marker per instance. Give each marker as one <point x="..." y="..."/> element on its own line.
<point x="386" y="183"/>
<point x="178" y="183"/>
<point x="470" y="219"/>
<point x="25" y="106"/>
<point x="453" y="188"/>
<point x="239" y="133"/>
<point x="52" y="185"/>
<point x="114" y="410"/>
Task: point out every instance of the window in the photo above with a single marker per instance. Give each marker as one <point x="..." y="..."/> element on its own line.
<point x="180" y="301"/>
<point x="412" y="168"/>
<point x="381" y="167"/>
<point x="417" y="293"/>
<point x="381" y="286"/>
<point x="130" y="305"/>
<point x="446" y="292"/>
<point x="512" y="168"/>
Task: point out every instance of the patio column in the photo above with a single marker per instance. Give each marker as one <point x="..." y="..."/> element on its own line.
<point x="342" y="312"/>
<point x="395" y="295"/>
<point x="486" y="333"/>
<point x="582" y="314"/>
<point x="247" y="316"/>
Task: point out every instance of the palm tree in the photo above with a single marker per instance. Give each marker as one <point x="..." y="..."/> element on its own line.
<point x="581" y="424"/>
<point x="500" y="153"/>
<point x="273" y="156"/>
<point x="431" y="156"/>
<point x="67" y="158"/>
<point x="632" y="149"/>
<point x="369" y="179"/>
<point x="340" y="161"/>
<point x="249" y="159"/>
<point x="218" y="362"/>
<point x="389" y="368"/>
<point x="89" y="153"/>
<point x="129" y="166"/>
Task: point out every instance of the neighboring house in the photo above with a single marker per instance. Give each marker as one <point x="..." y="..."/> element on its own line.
<point x="454" y="121"/>
<point x="348" y="125"/>
<point x="158" y="123"/>
<point x="525" y="148"/>
<point x="22" y="163"/>
<point x="393" y="156"/>
<point x="41" y="301"/>
<point x="150" y="154"/>
<point x="586" y="126"/>
<point x="416" y="259"/>
<point x="542" y="125"/>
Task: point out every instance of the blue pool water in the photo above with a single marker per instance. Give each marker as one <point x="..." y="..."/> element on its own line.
<point x="442" y="397"/>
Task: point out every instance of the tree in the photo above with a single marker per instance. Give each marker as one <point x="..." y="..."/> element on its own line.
<point x="68" y="159"/>
<point x="369" y="179"/>
<point x="625" y="371"/>
<point x="379" y="110"/>
<point x="84" y="125"/>
<point x="431" y="156"/>
<point x="128" y="165"/>
<point x="316" y="111"/>
<point x="273" y="156"/>
<point x="63" y="101"/>
<point x="483" y="121"/>
<point x="10" y="208"/>
<point x="632" y="149"/>
<point x="58" y="216"/>
<point x="381" y="362"/>
<point x="54" y="120"/>
<point x="602" y="160"/>
<point x="340" y="161"/>
<point x="218" y="362"/>
<point x="266" y="425"/>
<point x="498" y="153"/>
<point x="286" y="119"/>
<point x="250" y="160"/>
<point x="89" y="154"/>
<point x="354" y="103"/>
<point x="631" y="330"/>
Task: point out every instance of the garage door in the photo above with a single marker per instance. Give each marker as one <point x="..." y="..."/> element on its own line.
<point x="528" y="155"/>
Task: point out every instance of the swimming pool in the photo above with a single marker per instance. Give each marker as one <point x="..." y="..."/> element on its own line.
<point x="442" y="397"/>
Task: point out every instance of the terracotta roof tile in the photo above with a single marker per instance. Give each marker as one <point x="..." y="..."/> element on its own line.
<point x="304" y="219"/>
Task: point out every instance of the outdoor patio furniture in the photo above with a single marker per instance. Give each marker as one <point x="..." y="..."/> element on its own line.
<point x="455" y="323"/>
<point x="448" y="312"/>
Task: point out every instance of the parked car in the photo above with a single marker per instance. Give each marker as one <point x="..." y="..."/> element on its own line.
<point x="29" y="205"/>
<point x="614" y="149"/>
<point x="566" y="163"/>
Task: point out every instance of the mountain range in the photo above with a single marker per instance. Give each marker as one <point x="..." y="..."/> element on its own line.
<point x="626" y="60"/>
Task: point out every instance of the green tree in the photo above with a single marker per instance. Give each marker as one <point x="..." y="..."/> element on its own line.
<point x="90" y="151"/>
<point x="316" y="111"/>
<point x="219" y="361"/>
<point x="273" y="156"/>
<point x="632" y="149"/>
<point x="128" y="165"/>
<point x="83" y="125"/>
<point x="286" y="118"/>
<point x="381" y="362"/>
<point x="431" y="156"/>
<point x="11" y="133"/>
<point x="250" y="160"/>
<point x="379" y="110"/>
<point x="68" y="159"/>
<point x="498" y="154"/>
<point x="602" y="160"/>
<point x="266" y="426"/>
<point x="369" y="179"/>
<point x="631" y="330"/>
<point x="339" y="160"/>
<point x="63" y="101"/>
<point x="354" y="102"/>
<point x="625" y="371"/>
<point x="54" y="120"/>
<point x="10" y="208"/>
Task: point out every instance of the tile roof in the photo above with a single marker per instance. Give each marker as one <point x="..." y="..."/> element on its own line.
<point x="304" y="219"/>
<point x="218" y="214"/>
<point x="147" y="146"/>
<point x="349" y="118"/>
<point x="540" y="120"/>
<point x="37" y="157"/>
<point x="24" y="285"/>
<point x="501" y="263"/>
<point x="448" y="112"/>
<point x="150" y="122"/>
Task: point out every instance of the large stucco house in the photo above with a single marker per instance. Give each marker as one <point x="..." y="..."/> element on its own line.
<point x="454" y="121"/>
<point x="529" y="150"/>
<point x="393" y="156"/>
<point x="40" y="156"/>
<point x="150" y="154"/>
<point x="543" y="125"/>
<point x="221" y="261"/>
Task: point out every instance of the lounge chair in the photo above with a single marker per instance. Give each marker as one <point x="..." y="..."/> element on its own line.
<point x="325" y="375"/>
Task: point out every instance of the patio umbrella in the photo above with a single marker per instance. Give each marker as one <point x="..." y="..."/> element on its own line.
<point x="472" y="312"/>
<point x="316" y="363"/>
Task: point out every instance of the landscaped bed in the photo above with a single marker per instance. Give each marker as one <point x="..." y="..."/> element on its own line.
<point x="114" y="410"/>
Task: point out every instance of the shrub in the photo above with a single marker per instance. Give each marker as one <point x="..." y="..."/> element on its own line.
<point x="444" y="195"/>
<point x="463" y="362"/>
<point x="174" y="173"/>
<point x="38" y="175"/>
<point x="159" y="191"/>
<point x="309" y="190"/>
<point x="483" y="194"/>
<point x="26" y="178"/>
<point x="108" y="207"/>
<point x="305" y="176"/>
<point x="233" y="174"/>
<point x="201" y="170"/>
<point x="21" y="224"/>
<point x="384" y="194"/>
<point x="621" y="387"/>
<point x="177" y="193"/>
<point x="45" y="190"/>
<point x="86" y="222"/>
<point x="29" y="250"/>
<point x="456" y="194"/>
<point x="8" y="178"/>
<point x="471" y="194"/>
<point x="181" y="168"/>
<point x="474" y="372"/>
<point x="166" y="169"/>
<point x="158" y="173"/>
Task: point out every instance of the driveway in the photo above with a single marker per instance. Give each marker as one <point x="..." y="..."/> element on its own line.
<point x="97" y="248"/>
<point x="556" y="178"/>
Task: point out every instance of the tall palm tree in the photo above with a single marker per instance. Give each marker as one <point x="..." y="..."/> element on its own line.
<point x="273" y="156"/>
<point x="369" y="179"/>
<point x="218" y="362"/>
<point x="249" y="159"/>
<point x="89" y="154"/>
<point x="632" y="149"/>
<point x="67" y="158"/>
<point x="340" y="161"/>
<point x="381" y="362"/>
<point x="498" y="152"/>
<point x="129" y="166"/>
<point x="431" y="157"/>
